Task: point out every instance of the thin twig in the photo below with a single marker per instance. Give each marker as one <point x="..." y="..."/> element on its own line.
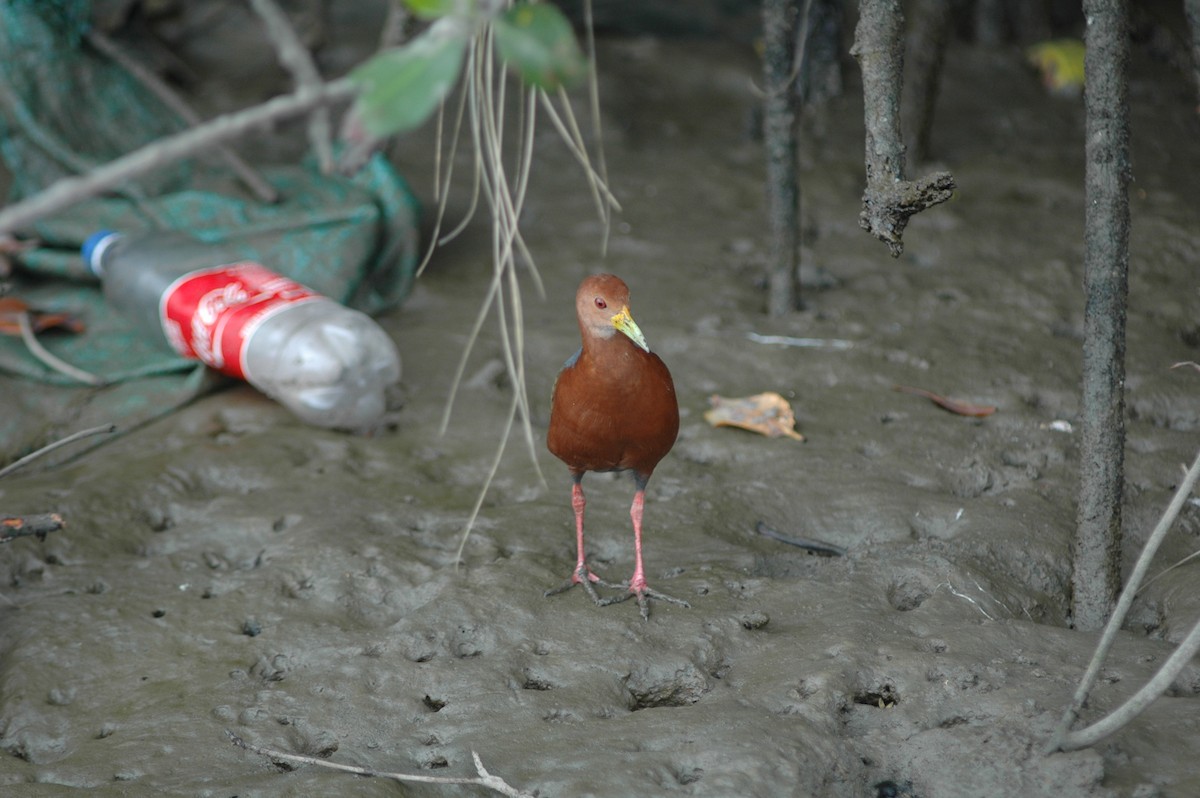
<point x="1168" y="570"/>
<point x="484" y="779"/>
<point x="296" y="59"/>
<point x="441" y="184"/>
<point x="483" y="101"/>
<point x="1063" y="736"/>
<point x="29" y="458"/>
<point x="470" y="524"/>
<point x="806" y="343"/>
<point x="48" y="358"/>
<point x="56" y="149"/>
<point x="594" y="107"/>
<point x="1138" y="702"/>
<point x="507" y="205"/>
<point x="594" y="180"/>
<point x="71" y="190"/>
<point x="263" y="190"/>
<point x="811" y="544"/>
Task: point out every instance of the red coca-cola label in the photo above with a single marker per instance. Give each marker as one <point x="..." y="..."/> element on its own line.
<point x="210" y="314"/>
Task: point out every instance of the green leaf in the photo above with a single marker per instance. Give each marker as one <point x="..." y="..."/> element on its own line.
<point x="432" y="9"/>
<point x="537" y="40"/>
<point x="401" y="87"/>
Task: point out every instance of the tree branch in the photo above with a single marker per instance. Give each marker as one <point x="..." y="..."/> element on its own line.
<point x="295" y="58"/>
<point x="71" y="190"/>
<point x="253" y="180"/>
<point x="1192" y="10"/>
<point x="889" y="200"/>
<point x="1096" y="577"/>
<point x="1066" y="740"/>
<point x="779" y="140"/>
<point x="927" y="41"/>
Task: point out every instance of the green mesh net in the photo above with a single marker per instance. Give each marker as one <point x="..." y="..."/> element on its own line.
<point x="66" y="108"/>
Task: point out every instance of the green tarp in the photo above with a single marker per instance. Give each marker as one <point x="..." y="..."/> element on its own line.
<point x="65" y="108"/>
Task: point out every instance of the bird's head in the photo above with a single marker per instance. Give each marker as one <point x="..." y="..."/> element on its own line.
<point x="602" y="304"/>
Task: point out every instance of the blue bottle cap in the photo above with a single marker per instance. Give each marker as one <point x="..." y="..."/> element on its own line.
<point x="94" y="246"/>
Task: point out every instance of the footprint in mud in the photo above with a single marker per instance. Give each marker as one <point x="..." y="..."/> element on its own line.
<point x="462" y="642"/>
<point x="909" y="591"/>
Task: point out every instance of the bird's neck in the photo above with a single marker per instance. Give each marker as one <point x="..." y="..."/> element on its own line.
<point x="610" y="346"/>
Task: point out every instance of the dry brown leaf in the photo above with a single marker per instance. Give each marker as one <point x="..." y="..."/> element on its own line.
<point x="11" y="310"/>
<point x="765" y="413"/>
<point x="953" y="405"/>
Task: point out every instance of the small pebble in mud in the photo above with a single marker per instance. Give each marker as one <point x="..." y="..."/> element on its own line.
<point x="61" y="696"/>
<point x="159" y="613"/>
<point x="754" y="620"/>
<point x="286" y="521"/>
<point x="251" y="628"/>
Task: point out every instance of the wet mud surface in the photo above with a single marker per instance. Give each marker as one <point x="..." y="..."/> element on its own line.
<point x="229" y="568"/>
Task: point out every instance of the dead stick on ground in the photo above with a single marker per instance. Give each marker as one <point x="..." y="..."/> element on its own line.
<point x="1066" y="740"/>
<point x="87" y="433"/>
<point x="484" y="779"/>
<point x="68" y="191"/>
<point x="48" y="358"/>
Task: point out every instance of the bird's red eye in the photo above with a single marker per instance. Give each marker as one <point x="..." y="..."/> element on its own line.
<point x="600" y="303"/>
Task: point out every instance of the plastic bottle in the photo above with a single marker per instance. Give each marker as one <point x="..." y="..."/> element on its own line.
<point x="326" y="363"/>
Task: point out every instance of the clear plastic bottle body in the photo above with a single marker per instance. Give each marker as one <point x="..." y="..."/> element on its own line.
<point x="135" y="272"/>
<point x="328" y="364"/>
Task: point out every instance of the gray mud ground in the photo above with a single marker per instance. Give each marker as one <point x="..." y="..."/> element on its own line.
<point x="229" y="568"/>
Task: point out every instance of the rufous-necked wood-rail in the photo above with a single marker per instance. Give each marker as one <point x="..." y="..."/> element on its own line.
<point x="613" y="409"/>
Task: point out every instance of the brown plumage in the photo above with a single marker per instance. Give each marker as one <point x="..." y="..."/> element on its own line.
<point x="614" y="409"/>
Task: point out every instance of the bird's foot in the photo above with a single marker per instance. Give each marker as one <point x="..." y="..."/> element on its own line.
<point x="582" y="575"/>
<point x="643" y="593"/>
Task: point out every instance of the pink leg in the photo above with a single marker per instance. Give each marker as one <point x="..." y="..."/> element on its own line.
<point x="637" y="582"/>
<point x="581" y="569"/>
<point x="582" y="575"/>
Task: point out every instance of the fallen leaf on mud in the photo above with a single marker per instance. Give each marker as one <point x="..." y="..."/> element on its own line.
<point x="953" y="405"/>
<point x="1060" y="63"/>
<point x="765" y="413"/>
<point x="11" y="310"/>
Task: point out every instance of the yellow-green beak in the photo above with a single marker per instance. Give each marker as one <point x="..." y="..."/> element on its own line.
<point x="628" y="327"/>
